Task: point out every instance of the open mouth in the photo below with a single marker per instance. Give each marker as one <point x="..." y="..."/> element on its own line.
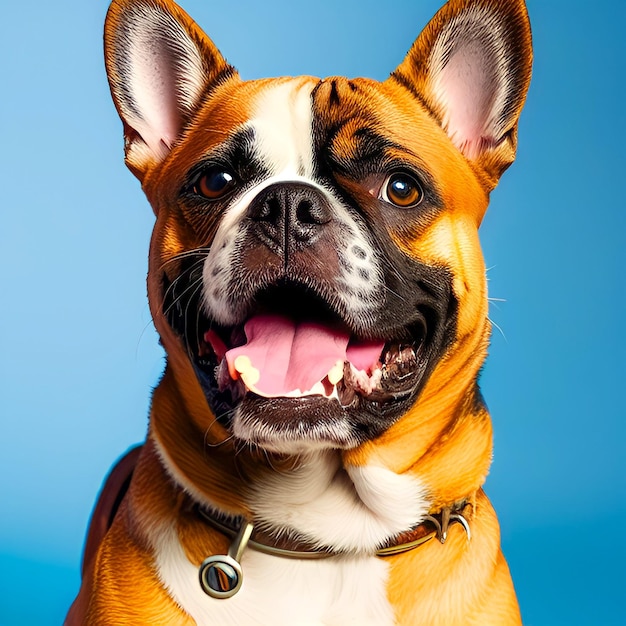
<point x="279" y="356"/>
<point x="292" y="345"/>
<point x="295" y="368"/>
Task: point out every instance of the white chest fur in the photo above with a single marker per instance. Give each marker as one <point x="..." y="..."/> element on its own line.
<point x="278" y="591"/>
<point x="356" y="510"/>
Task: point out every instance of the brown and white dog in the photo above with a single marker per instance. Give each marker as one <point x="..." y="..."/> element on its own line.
<point x="318" y="285"/>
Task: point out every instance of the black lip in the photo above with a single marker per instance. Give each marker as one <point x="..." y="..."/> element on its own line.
<point x="282" y="415"/>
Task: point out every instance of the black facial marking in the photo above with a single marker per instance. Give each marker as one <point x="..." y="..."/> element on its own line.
<point x="238" y="157"/>
<point x="237" y="154"/>
<point x="334" y="94"/>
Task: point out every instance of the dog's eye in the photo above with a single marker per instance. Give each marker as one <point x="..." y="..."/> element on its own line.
<point x="402" y="190"/>
<point x="214" y="183"/>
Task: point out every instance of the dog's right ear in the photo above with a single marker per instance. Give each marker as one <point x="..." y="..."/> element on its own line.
<point x="471" y="67"/>
<point x="160" y="65"/>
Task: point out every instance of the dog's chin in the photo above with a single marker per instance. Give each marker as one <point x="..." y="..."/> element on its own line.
<point x="298" y="425"/>
<point x="292" y="425"/>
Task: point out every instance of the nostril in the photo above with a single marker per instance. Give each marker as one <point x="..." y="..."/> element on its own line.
<point x="270" y="210"/>
<point x="289" y="216"/>
<point x="308" y="212"/>
<point x="304" y="212"/>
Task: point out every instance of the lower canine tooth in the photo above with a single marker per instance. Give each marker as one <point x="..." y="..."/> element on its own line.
<point x="336" y="373"/>
<point x="247" y="371"/>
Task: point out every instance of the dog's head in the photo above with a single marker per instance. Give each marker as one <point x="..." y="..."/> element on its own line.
<point x="315" y="261"/>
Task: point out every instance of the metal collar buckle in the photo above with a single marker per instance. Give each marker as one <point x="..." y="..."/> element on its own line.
<point x="221" y="575"/>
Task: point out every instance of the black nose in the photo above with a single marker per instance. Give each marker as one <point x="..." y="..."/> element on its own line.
<point x="289" y="216"/>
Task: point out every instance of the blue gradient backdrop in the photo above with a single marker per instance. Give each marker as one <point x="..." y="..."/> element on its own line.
<point x="78" y="354"/>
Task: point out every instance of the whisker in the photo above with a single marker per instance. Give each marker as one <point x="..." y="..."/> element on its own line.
<point x="494" y="302"/>
<point x="395" y="293"/>
<point x="498" y="328"/>
<point x="399" y="276"/>
<point x="208" y="430"/>
<point x="193" y="285"/>
<point x="143" y="332"/>
<point x="202" y="251"/>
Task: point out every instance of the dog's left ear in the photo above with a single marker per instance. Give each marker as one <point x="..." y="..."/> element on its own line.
<point x="471" y="67"/>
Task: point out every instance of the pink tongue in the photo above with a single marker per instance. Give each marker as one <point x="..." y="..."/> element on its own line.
<point x="282" y="357"/>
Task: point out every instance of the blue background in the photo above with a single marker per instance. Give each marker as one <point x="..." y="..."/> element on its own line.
<point x="78" y="354"/>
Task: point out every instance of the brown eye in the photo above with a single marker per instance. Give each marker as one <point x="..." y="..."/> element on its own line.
<point x="402" y="190"/>
<point x="214" y="183"/>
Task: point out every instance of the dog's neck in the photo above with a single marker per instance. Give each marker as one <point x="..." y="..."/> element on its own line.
<point x="380" y="489"/>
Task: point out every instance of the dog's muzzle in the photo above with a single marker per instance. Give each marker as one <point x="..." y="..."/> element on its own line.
<point x="307" y="328"/>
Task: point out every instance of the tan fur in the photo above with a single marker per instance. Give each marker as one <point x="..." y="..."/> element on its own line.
<point x="445" y="439"/>
<point x="476" y="572"/>
<point x="111" y="592"/>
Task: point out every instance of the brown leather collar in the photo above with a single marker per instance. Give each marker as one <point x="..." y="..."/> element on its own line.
<point x="435" y="525"/>
<point x="221" y="575"/>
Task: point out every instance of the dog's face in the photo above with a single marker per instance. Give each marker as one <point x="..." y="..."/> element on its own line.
<point x="315" y="261"/>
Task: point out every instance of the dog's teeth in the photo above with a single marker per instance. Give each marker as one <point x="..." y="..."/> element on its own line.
<point x="392" y="354"/>
<point x="403" y="364"/>
<point x="407" y="355"/>
<point x="389" y="371"/>
<point x="248" y="373"/>
<point x="336" y="373"/>
<point x="398" y="357"/>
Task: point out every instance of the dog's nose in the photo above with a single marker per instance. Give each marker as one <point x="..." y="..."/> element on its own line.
<point x="289" y="216"/>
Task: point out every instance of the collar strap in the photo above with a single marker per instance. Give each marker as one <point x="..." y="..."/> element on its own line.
<point x="221" y="576"/>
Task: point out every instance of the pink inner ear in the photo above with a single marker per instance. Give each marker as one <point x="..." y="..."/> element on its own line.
<point x="162" y="69"/>
<point x="153" y="86"/>
<point x="467" y="88"/>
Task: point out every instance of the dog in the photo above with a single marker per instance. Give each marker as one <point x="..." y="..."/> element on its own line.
<point x="318" y="443"/>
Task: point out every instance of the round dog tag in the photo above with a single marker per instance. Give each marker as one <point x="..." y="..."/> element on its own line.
<point x="220" y="576"/>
